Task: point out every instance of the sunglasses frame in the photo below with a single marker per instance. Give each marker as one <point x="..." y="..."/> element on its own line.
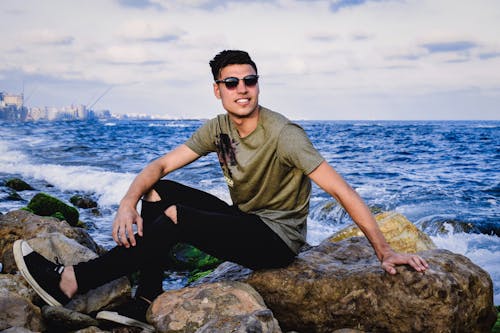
<point x="232" y="82"/>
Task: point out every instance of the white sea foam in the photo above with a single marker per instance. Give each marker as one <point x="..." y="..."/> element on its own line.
<point x="108" y="186"/>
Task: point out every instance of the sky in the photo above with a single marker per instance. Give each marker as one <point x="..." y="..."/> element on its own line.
<point x="324" y="59"/>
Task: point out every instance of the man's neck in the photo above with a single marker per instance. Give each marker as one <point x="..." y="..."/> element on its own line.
<point x="246" y="125"/>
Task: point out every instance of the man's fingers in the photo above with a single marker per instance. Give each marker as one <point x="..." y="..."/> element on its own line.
<point x="139" y="225"/>
<point x="131" y="237"/>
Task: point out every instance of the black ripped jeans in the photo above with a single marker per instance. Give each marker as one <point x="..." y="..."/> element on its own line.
<point x="204" y="221"/>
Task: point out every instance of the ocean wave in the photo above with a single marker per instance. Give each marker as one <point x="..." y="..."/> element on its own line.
<point x="109" y="187"/>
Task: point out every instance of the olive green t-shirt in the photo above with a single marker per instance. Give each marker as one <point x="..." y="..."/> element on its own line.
<point x="266" y="171"/>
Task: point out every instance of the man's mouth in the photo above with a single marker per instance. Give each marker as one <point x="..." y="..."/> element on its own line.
<point x="242" y="100"/>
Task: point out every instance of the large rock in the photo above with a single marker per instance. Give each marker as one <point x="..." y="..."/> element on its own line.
<point x="18" y="311"/>
<point x="401" y="234"/>
<point x="46" y="205"/>
<point x="219" y="307"/>
<point x="341" y="285"/>
<point x="21" y="224"/>
<point x="18" y="184"/>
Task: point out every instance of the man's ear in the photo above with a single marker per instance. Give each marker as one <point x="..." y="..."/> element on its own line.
<point x="217" y="91"/>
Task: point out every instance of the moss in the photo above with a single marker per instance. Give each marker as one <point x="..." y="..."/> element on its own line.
<point x="58" y="215"/>
<point x="197" y="274"/>
<point x="45" y="205"/>
<point x="496" y="327"/>
<point x="185" y="256"/>
<point x="18" y="185"/>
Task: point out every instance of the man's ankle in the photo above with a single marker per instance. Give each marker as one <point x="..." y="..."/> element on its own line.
<point x="68" y="282"/>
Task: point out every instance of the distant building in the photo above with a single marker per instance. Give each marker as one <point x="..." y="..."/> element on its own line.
<point x="12" y="108"/>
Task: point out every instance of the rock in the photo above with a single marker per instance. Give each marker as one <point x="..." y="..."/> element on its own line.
<point x="209" y="307"/>
<point x="104" y="297"/>
<point x="21" y="224"/>
<point x="17" y="311"/>
<point x="59" y="317"/>
<point x="18" y="185"/>
<point x="17" y="329"/>
<point x="16" y="284"/>
<point x="258" y="321"/>
<point x="81" y="201"/>
<point x="45" y="205"/>
<point x="341" y="285"/>
<point x="14" y="196"/>
<point x="401" y="234"/>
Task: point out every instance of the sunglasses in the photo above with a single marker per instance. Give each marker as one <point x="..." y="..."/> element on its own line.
<point x="232" y="82"/>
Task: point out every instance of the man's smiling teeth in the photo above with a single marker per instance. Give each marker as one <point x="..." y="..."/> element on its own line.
<point x="242" y="100"/>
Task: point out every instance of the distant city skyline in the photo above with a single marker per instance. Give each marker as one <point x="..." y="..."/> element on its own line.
<point x="318" y="59"/>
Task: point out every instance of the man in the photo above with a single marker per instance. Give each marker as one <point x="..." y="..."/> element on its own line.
<point x="267" y="162"/>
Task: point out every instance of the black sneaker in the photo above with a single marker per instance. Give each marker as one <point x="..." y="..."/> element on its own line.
<point x="132" y="313"/>
<point x="42" y="274"/>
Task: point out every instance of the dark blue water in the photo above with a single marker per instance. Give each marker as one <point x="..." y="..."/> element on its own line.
<point x="438" y="174"/>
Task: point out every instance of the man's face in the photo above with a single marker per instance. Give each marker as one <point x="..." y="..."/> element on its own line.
<point x="241" y="101"/>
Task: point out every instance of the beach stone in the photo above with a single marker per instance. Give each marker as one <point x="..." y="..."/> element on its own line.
<point x="59" y="317"/>
<point x="400" y="233"/>
<point x="18" y="184"/>
<point x="259" y="321"/>
<point x="16" y="284"/>
<point x="212" y="308"/>
<point x="81" y="201"/>
<point x="18" y="312"/>
<point x="21" y="224"/>
<point x="342" y="285"/>
<point x="45" y="205"/>
<point x="14" y="196"/>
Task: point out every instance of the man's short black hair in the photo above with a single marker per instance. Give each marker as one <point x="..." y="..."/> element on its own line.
<point x="230" y="57"/>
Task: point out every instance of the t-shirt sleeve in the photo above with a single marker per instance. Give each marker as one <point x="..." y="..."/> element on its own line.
<point x="296" y="150"/>
<point x="202" y="141"/>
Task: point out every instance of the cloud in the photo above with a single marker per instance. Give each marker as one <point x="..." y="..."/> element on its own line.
<point x="443" y="47"/>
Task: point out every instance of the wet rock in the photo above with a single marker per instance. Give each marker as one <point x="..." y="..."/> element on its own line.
<point x="14" y="196"/>
<point x="45" y="205"/>
<point x="21" y="224"/>
<point x="18" y="184"/>
<point x="211" y="306"/>
<point x="81" y="201"/>
<point x="401" y="234"/>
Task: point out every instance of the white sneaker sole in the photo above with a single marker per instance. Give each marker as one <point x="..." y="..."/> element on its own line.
<point x="117" y="318"/>
<point x="20" y="249"/>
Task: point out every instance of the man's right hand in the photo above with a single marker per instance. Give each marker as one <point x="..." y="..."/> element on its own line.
<point x="123" y="231"/>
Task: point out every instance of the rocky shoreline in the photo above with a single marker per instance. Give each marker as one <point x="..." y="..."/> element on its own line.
<point x="337" y="286"/>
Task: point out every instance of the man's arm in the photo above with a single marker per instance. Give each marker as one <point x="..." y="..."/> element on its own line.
<point x="330" y="181"/>
<point x="127" y="214"/>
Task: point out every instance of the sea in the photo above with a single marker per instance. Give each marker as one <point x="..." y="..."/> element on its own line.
<point x="444" y="176"/>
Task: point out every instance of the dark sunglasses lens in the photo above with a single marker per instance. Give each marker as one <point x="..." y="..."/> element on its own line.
<point x="231" y="82"/>
<point x="251" y="80"/>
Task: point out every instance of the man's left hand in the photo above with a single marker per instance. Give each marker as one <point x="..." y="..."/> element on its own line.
<point x="392" y="259"/>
